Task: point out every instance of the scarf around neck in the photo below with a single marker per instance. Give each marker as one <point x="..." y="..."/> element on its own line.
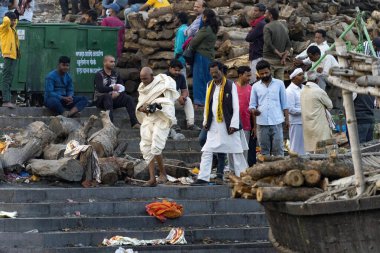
<point x="219" y="112"/>
<point x="256" y="21"/>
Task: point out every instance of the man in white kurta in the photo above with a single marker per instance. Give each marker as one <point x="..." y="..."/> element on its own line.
<point x="293" y="98"/>
<point x="314" y="102"/>
<point x="155" y="126"/>
<point x="221" y="120"/>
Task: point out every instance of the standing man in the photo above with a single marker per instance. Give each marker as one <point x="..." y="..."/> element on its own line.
<point x="156" y="113"/>
<point x="199" y="7"/>
<point x="221" y="120"/>
<point x="276" y="43"/>
<point x="293" y="96"/>
<point x="376" y="46"/>
<point x="180" y="20"/>
<point x="109" y="91"/>
<point x="314" y="102"/>
<point x="268" y="104"/>
<point x="65" y="7"/>
<point x="319" y="41"/>
<point x="244" y="94"/>
<point x="255" y="37"/>
<point x="114" y="21"/>
<point x="10" y="49"/>
<point x="59" y="91"/>
<point x="364" y="109"/>
<point x="184" y="100"/>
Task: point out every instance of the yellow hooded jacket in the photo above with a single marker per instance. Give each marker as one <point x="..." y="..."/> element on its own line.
<point x="10" y="46"/>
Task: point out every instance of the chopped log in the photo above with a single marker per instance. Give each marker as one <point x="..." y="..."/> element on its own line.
<point x="80" y="135"/>
<point x="312" y="177"/>
<point x="266" y="158"/>
<point x="225" y="47"/>
<point x="161" y="44"/>
<point x="217" y="3"/>
<point x="270" y="181"/>
<point x="63" y="126"/>
<point x="167" y="55"/>
<point x="54" y="152"/>
<point x="166" y="18"/>
<point x="66" y="168"/>
<point x="161" y="35"/>
<point x="182" y="6"/>
<point x="239" y="189"/>
<point x="324" y="184"/>
<point x="247" y="195"/>
<point x="254" y="191"/>
<point x="294" y="178"/>
<point x="37" y="129"/>
<point x="130" y="35"/>
<point x="105" y="140"/>
<point x="158" y="64"/>
<point x="160" y="11"/>
<point x="152" y="22"/>
<point x="234" y="179"/>
<point x="247" y="180"/>
<point x="121" y="148"/>
<point x="129" y="45"/>
<point x="113" y="167"/>
<point x="237" y="51"/>
<point x="136" y="21"/>
<point x="148" y="50"/>
<point x="287" y="11"/>
<point x="235" y="35"/>
<point x="31" y="143"/>
<point x="285" y="193"/>
<point x="330" y="169"/>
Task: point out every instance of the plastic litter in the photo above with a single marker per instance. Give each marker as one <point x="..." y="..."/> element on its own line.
<point x="176" y="136"/>
<point x="182" y="180"/>
<point x="176" y="236"/>
<point x="33" y="231"/>
<point x="164" y="209"/>
<point x="122" y="250"/>
<point x="4" y="214"/>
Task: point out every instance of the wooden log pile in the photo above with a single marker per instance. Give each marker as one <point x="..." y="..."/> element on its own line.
<point x="290" y="179"/>
<point x="149" y="41"/>
<point x="47" y="151"/>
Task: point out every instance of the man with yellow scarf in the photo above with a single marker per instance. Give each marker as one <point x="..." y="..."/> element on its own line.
<point x="221" y="121"/>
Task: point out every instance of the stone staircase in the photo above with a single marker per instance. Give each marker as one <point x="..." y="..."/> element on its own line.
<point x="61" y="217"/>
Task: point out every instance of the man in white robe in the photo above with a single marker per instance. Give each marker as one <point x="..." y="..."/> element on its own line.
<point x="221" y="120"/>
<point x="293" y="98"/>
<point x="314" y="102"/>
<point x="156" y="91"/>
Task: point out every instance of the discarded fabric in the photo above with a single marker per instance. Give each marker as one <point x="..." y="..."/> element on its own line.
<point x="175" y="236"/>
<point x="164" y="209"/>
<point x="8" y="214"/>
<point x="182" y="180"/>
<point x="122" y="250"/>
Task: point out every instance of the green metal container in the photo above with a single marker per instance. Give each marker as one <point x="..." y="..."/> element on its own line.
<point x="42" y="44"/>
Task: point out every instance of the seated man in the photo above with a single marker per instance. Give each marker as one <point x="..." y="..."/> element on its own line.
<point x="314" y="54"/>
<point x="59" y="91"/>
<point x="109" y="91"/>
<point x="89" y="18"/>
<point x="184" y="100"/>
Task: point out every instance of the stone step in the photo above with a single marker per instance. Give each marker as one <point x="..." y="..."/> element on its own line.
<point x="92" y="207"/>
<point x="11" y="194"/>
<point x="229" y="247"/>
<point x="252" y="219"/>
<point x="88" y="111"/>
<point x="94" y="238"/>
<point x="171" y="145"/>
<point x="123" y="123"/>
<point x="185" y="156"/>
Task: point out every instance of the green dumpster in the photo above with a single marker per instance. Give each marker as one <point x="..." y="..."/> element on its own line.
<point x="42" y="44"/>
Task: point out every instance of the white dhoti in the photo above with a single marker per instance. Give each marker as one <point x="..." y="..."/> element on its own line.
<point x="219" y="141"/>
<point x="296" y="139"/>
<point x="155" y="127"/>
<point x="238" y="162"/>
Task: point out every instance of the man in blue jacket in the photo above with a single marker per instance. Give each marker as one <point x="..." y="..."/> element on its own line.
<point x="59" y="91"/>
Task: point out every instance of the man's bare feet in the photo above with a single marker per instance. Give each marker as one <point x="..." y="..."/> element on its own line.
<point x="150" y="183"/>
<point x="162" y="179"/>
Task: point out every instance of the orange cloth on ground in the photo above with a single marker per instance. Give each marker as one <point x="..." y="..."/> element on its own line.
<point x="164" y="209"/>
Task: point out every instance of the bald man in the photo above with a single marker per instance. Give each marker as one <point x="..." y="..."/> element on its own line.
<point x="156" y="113"/>
<point x="109" y="91"/>
<point x="199" y="7"/>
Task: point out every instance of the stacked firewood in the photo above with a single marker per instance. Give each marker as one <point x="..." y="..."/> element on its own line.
<point x="41" y="150"/>
<point x="290" y="179"/>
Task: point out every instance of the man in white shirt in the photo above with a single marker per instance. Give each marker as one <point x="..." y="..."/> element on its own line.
<point x="324" y="66"/>
<point x="293" y="99"/>
<point x="319" y="41"/>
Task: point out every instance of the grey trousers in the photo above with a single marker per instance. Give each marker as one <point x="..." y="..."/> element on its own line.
<point x="271" y="139"/>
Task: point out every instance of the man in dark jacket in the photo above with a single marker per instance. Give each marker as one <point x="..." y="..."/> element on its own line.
<point x="109" y="91"/>
<point x="255" y="37"/>
<point x="364" y="110"/>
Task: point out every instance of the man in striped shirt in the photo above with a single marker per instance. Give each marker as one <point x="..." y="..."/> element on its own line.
<point x="376" y="46"/>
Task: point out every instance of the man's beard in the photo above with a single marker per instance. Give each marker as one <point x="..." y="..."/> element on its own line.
<point x="266" y="78"/>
